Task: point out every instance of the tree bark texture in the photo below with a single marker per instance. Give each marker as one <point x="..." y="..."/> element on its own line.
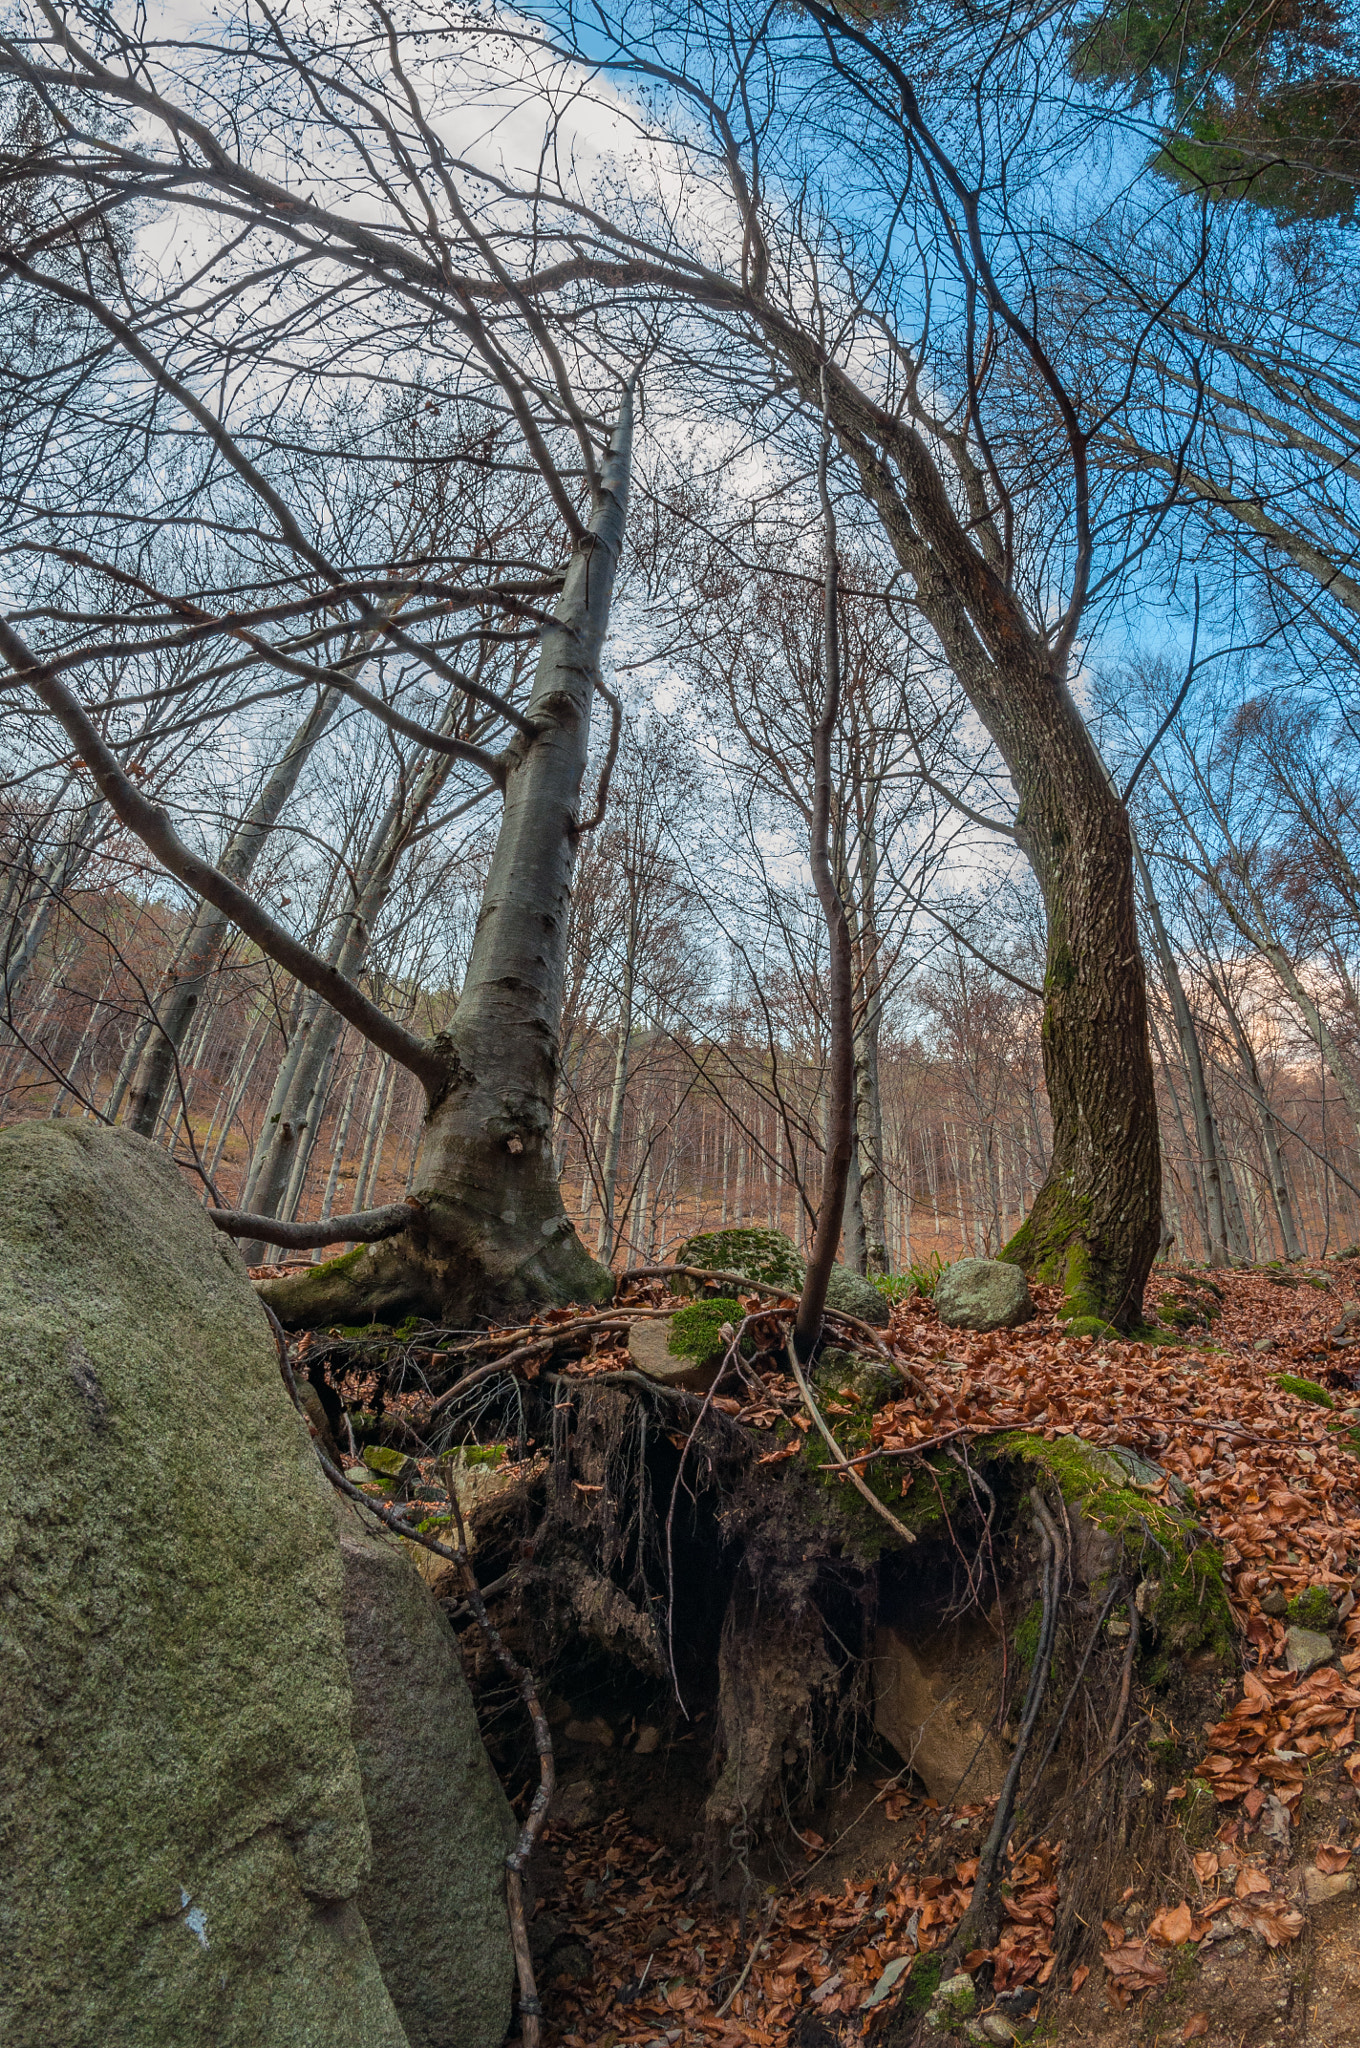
<point x="492" y="1236"/>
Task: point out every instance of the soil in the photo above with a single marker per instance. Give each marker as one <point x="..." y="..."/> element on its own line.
<point x="1197" y="1884"/>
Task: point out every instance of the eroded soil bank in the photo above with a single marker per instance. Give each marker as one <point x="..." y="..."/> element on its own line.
<point x="781" y="1727"/>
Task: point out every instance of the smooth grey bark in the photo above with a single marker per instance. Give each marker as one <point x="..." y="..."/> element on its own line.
<point x="298" y="1100"/>
<point x="1205" y="1129"/>
<point x="1275" y="1166"/>
<point x="492" y="1236"/>
<point x="201" y="947"/>
<point x="38" y="898"/>
<point x="618" y="1096"/>
<point x="840" y="1078"/>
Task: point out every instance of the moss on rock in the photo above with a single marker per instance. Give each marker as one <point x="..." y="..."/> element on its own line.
<point x="1304" y="1390"/>
<point x="764" y="1255"/>
<point x="1182" y="1574"/>
<point x="696" y="1331"/>
<point x="175" y="1693"/>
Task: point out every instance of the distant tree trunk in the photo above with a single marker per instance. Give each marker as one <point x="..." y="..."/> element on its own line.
<point x="618" y="1100"/>
<point x="1279" y="1182"/>
<point x="839" y="1096"/>
<point x="491" y="1236"/>
<point x="199" y="951"/>
<point x="1205" y="1128"/>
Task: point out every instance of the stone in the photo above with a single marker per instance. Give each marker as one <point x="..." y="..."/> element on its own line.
<point x="1321" y="1886"/>
<point x="648" y="1741"/>
<point x="956" y="1998"/>
<point x="180" y="1800"/>
<point x="1305" y="1649"/>
<point x="983" y="1294"/>
<point x="434" y="1899"/>
<point x="923" y="1706"/>
<point x="394" y="1467"/>
<point x="597" y="1731"/>
<point x="850" y="1294"/>
<point x="765" y="1255"/>
<point x="648" y="1353"/>
<point x="996" y="2026"/>
<point x="1275" y="1602"/>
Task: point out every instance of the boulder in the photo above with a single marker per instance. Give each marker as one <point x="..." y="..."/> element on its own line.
<point x="434" y="1900"/>
<point x="765" y="1255"/>
<point x="930" y="1705"/>
<point x="852" y="1295"/>
<point x="181" y="1811"/>
<point x="983" y="1294"/>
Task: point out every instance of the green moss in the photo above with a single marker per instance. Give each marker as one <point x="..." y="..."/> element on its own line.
<point x="765" y="1255"/>
<point x="1093" y="1326"/>
<point x="937" y="1484"/>
<point x="1313" y="1608"/>
<point x="1304" y="1390"/>
<point x="696" y="1331"/>
<point x="1189" y="1608"/>
<point x="1318" y="1280"/>
<point x="1062" y="971"/>
<point x="919" y="1986"/>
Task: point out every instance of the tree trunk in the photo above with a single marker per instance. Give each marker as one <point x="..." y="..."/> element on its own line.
<point x="840" y="1079"/>
<point x="491" y="1237"/>
<point x="201" y="947"/>
<point x="1205" y="1128"/>
<point x="1096" y="1222"/>
<point x="618" y="1101"/>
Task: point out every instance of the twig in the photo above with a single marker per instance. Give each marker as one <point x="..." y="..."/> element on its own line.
<point x="728" y="1357"/>
<point x="982" y="1905"/>
<point x="839" y="1458"/>
<point x="763" y="1935"/>
<point x="1066" y="1709"/>
<point x="705" y="1273"/>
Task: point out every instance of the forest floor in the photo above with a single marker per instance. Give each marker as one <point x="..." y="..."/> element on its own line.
<point x="1254" y="1935"/>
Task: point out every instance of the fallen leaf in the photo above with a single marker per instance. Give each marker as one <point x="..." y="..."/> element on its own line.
<point x="1206" y="1866"/>
<point x="1172" y="1926"/>
<point x="1330" y="1859"/>
<point x="1196" y="2028"/>
<point x="1079" y="1977"/>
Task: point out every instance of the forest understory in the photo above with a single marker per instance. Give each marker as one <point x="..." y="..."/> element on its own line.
<point x="736" y="1850"/>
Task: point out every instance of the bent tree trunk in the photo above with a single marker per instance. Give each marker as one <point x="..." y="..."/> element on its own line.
<point x="1096" y="1221"/>
<point x="491" y="1237"/>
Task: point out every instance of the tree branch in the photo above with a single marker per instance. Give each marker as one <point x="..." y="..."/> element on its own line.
<point x="152" y="826"/>
<point x="365" y="1226"/>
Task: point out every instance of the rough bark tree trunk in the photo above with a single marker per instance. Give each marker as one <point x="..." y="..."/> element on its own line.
<point x="491" y="1236"/>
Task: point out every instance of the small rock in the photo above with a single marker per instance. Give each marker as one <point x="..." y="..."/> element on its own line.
<point x="1319" y="1885"/>
<point x="1220" y="1929"/>
<point x="1274" y="1602"/>
<point x="597" y="1731"/>
<point x="648" y="1742"/>
<point x="997" y="2027"/>
<point x="983" y="1294"/>
<point x="849" y="1294"/>
<point x="393" y="1466"/>
<point x="956" y="1999"/>
<point x="1264" y="1344"/>
<point x="1306" y="1650"/>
